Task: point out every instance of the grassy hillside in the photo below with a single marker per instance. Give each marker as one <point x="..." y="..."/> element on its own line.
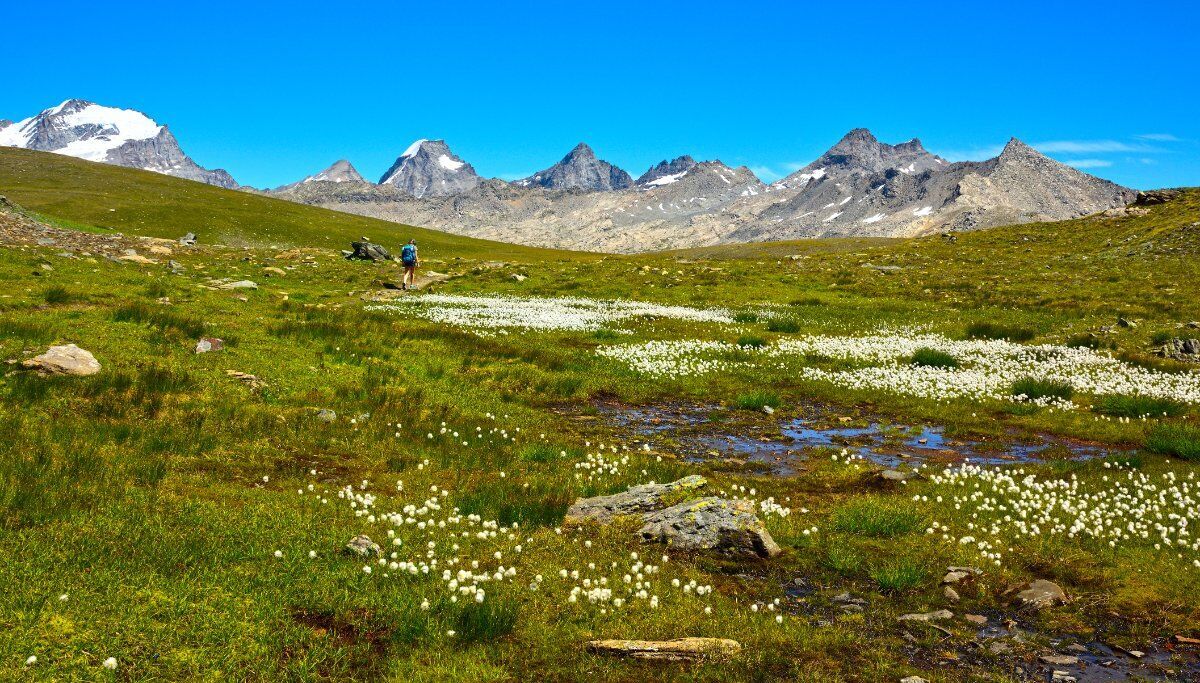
<point x="100" y="197"/>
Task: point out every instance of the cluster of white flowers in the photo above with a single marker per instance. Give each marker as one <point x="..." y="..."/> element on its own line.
<point x="539" y="313"/>
<point x="1000" y="506"/>
<point x="987" y="368"/>
<point x="674" y="359"/>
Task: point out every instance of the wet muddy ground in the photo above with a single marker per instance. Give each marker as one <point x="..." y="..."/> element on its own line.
<point x="779" y="446"/>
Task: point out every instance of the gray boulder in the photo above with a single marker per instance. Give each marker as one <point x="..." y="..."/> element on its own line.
<point x="711" y="524"/>
<point x="367" y="251"/>
<point x="635" y="501"/>
<point x="67" y="359"/>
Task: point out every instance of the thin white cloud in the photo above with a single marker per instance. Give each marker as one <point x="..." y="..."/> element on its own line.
<point x="1158" y="137"/>
<point x="1088" y="146"/>
<point x="1089" y="163"/>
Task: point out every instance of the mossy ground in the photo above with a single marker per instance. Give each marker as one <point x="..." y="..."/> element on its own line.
<point x="154" y="494"/>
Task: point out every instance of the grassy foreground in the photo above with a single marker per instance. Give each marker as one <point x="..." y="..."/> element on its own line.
<point x="188" y="523"/>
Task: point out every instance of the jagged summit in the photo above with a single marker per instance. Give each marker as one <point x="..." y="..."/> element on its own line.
<point x="665" y="172"/>
<point x="429" y="169"/>
<point x="580" y="169"/>
<point x="124" y="137"/>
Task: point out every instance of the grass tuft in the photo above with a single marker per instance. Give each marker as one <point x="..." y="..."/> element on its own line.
<point x="481" y="622"/>
<point x="1139" y="406"/>
<point x="757" y="400"/>
<point x="877" y="519"/>
<point x="900" y="575"/>
<point x="786" y="325"/>
<point x="1034" y="389"/>
<point x="932" y="358"/>
<point x="1180" y="441"/>
<point x="995" y="331"/>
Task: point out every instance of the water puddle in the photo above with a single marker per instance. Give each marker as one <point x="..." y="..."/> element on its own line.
<point x="753" y="440"/>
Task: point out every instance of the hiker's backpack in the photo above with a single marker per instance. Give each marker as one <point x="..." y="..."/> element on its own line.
<point x="408" y="254"/>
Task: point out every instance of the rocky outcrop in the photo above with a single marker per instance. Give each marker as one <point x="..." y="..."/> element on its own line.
<point x="680" y="649"/>
<point x="580" y="170"/>
<point x="429" y="169"/>
<point x="634" y="501"/>
<point x="67" y="359"/>
<point x="123" y="137"/>
<point x="711" y="524"/>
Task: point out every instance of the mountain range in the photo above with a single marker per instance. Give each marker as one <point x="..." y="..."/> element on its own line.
<point x="859" y="187"/>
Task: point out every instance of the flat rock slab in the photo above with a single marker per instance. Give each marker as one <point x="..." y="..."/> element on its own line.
<point x="1041" y="593"/>
<point x="635" y="501"/>
<point x="680" y="649"/>
<point x="939" y="615"/>
<point x="711" y="524"/>
<point x="67" y="359"/>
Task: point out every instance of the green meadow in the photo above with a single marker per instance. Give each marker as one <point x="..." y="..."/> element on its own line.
<point x="190" y="523"/>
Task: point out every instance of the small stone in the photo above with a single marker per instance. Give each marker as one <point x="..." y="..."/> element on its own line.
<point x="519" y="278"/>
<point x="1136" y="654"/>
<point x="1059" y="660"/>
<point x="326" y="415"/>
<point x="272" y="271"/>
<point x="1077" y="648"/>
<point x="363" y="546"/>
<point x="1126" y="322"/>
<point x="976" y="619"/>
<point x="207" y="344"/>
<point x="768" y="410"/>
<point x="956" y="575"/>
<point x="1063" y="677"/>
<point x="188" y="239"/>
<point x="240" y="284"/>
<point x="913" y="679"/>
<point x="950" y="593"/>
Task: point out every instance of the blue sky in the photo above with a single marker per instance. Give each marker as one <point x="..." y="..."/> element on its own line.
<point x="273" y="92"/>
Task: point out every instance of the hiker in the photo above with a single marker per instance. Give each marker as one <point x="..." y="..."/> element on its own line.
<point x="408" y="257"/>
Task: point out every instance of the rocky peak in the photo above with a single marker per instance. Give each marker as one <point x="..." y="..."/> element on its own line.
<point x="1015" y="150"/>
<point x="341" y="171"/>
<point x="667" y="169"/>
<point x="429" y="169"/>
<point x="580" y="169"/>
<point x="5" y="123"/>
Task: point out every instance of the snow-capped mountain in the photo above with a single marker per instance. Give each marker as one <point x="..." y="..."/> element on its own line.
<point x="124" y="137"/>
<point x="580" y="170"/>
<point x="429" y="169"/>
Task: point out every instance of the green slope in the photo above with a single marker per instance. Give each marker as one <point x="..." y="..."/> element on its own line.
<point x="100" y="197"/>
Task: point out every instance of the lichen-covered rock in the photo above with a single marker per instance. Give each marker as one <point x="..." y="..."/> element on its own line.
<point x="680" y="649"/>
<point x="711" y="524"/>
<point x="637" y="500"/>
<point x="67" y="359"/>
